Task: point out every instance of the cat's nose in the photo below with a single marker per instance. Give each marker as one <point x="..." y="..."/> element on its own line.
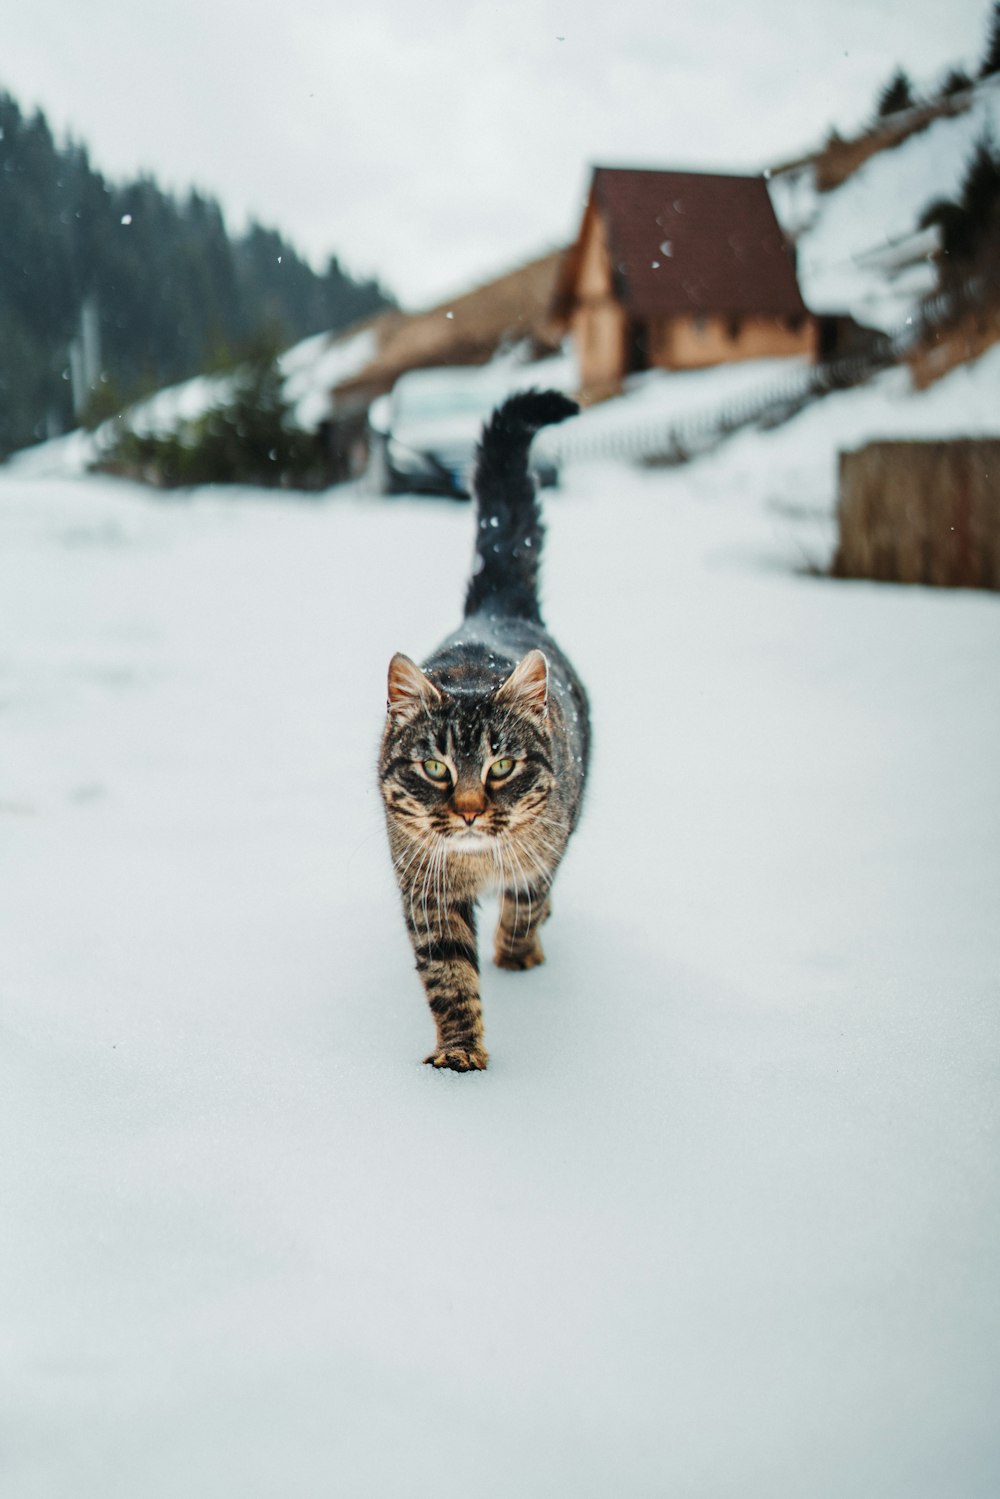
<point x="468" y="803"/>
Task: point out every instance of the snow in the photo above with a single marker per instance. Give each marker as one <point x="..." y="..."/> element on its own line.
<point x="656" y="401"/>
<point x="878" y="205"/>
<point x="721" y="1218"/>
<point x="966" y="402"/>
<point x="60" y="457"/>
<point x="792" y="470"/>
<point x="168" y="409"/>
<point x="310" y="368"/>
<point x="445" y="406"/>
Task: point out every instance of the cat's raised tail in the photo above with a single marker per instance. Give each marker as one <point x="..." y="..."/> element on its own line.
<point x="509" y="534"/>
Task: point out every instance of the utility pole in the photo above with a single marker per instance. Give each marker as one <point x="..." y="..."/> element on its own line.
<point x="85" y="354"/>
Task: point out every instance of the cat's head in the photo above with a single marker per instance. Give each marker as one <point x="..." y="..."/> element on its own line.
<point x="471" y="766"/>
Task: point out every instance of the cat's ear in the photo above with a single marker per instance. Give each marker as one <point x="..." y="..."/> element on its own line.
<point x="409" y="688"/>
<point x="527" y="687"/>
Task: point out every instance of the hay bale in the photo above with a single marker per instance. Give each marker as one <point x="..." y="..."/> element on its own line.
<point x="921" y="512"/>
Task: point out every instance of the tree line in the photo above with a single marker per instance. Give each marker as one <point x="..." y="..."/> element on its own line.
<point x="898" y="93"/>
<point x="111" y="290"/>
<point x="968" y="223"/>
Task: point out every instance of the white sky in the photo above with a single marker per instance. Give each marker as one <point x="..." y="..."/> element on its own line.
<point x="435" y="144"/>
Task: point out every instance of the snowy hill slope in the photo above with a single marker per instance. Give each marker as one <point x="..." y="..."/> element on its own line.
<point x="310" y="370"/>
<point x="839" y="234"/>
<point x="722" y="1219"/>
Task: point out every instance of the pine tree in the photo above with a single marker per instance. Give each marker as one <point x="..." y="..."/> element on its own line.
<point x="896" y="95"/>
<point x="955" y="81"/>
<point x="991" y="61"/>
<point x="980" y="192"/>
<point x="952" y="221"/>
<point x="970" y="223"/>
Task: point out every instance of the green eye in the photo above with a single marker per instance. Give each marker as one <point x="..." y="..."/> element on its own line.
<point x="500" y="769"/>
<point x="436" y="770"/>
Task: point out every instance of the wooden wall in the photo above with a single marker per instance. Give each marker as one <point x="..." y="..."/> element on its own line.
<point x="694" y="342"/>
<point x="921" y="512"/>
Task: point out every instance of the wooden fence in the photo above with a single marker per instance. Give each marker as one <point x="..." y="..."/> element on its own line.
<point x="921" y="512"/>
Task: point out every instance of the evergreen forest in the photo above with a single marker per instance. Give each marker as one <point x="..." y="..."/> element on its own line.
<point x="111" y="290"/>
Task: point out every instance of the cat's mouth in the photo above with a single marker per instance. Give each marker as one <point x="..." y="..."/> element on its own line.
<point x="472" y="840"/>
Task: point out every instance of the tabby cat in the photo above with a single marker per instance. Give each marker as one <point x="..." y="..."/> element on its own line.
<point x="485" y="750"/>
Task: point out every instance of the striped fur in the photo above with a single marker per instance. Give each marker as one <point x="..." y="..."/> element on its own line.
<point x="497" y="693"/>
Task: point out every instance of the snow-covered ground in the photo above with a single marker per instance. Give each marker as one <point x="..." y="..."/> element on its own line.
<point x="722" y="1219"/>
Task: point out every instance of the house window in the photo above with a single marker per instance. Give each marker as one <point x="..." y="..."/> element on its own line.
<point x="700" y="325"/>
<point x="734" y="327"/>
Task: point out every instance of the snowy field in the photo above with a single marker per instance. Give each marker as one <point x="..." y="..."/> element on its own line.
<point x="721" y="1220"/>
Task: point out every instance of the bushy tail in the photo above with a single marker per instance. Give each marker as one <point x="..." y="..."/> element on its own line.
<point x="510" y="532"/>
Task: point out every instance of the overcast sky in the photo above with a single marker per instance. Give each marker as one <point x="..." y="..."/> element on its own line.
<point x="432" y="143"/>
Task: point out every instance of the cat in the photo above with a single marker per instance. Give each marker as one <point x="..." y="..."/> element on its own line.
<point x="485" y="750"/>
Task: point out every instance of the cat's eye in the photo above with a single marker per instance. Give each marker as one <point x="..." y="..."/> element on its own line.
<point x="500" y="769"/>
<point x="436" y="770"/>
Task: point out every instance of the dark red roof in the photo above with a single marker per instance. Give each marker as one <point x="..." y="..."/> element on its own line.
<point x="683" y="242"/>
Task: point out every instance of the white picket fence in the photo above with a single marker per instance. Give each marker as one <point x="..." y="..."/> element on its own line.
<point x="669" y="441"/>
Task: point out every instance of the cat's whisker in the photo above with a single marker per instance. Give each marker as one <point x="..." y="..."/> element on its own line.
<point x="442" y="885"/>
<point x="517" y="895"/>
<point x="422" y="867"/>
<point x="551" y="849"/>
<point x="426" y="889"/>
<point x="428" y="884"/>
<point x="434" y="904"/>
<point x="526" y="852"/>
<point x="440" y="864"/>
<point x="498" y="861"/>
<point x="412" y="888"/>
<point x="503" y="873"/>
<point x="402" y="865"/>
<point x="506" y="883"/>
<point x="543" y="868"/>
<point x="518" y="876"/>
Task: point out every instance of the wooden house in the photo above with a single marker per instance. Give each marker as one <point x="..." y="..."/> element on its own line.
<point x="515" y="308"/>
<point x="677" y="270"/>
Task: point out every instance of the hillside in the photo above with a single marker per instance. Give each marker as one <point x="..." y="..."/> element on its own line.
<point x="857" y="244"/>
<point x="109" y="290"/>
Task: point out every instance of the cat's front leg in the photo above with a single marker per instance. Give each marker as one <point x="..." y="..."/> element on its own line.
<point x="443" y="933"/>
<point x="516" y="944"/>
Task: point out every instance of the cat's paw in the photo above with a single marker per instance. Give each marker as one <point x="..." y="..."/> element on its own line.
<point x="460" y="1058"/>
<point x="518" y="960"/>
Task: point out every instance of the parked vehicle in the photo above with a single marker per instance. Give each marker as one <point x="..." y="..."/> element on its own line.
<point x="422" y="436"/>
